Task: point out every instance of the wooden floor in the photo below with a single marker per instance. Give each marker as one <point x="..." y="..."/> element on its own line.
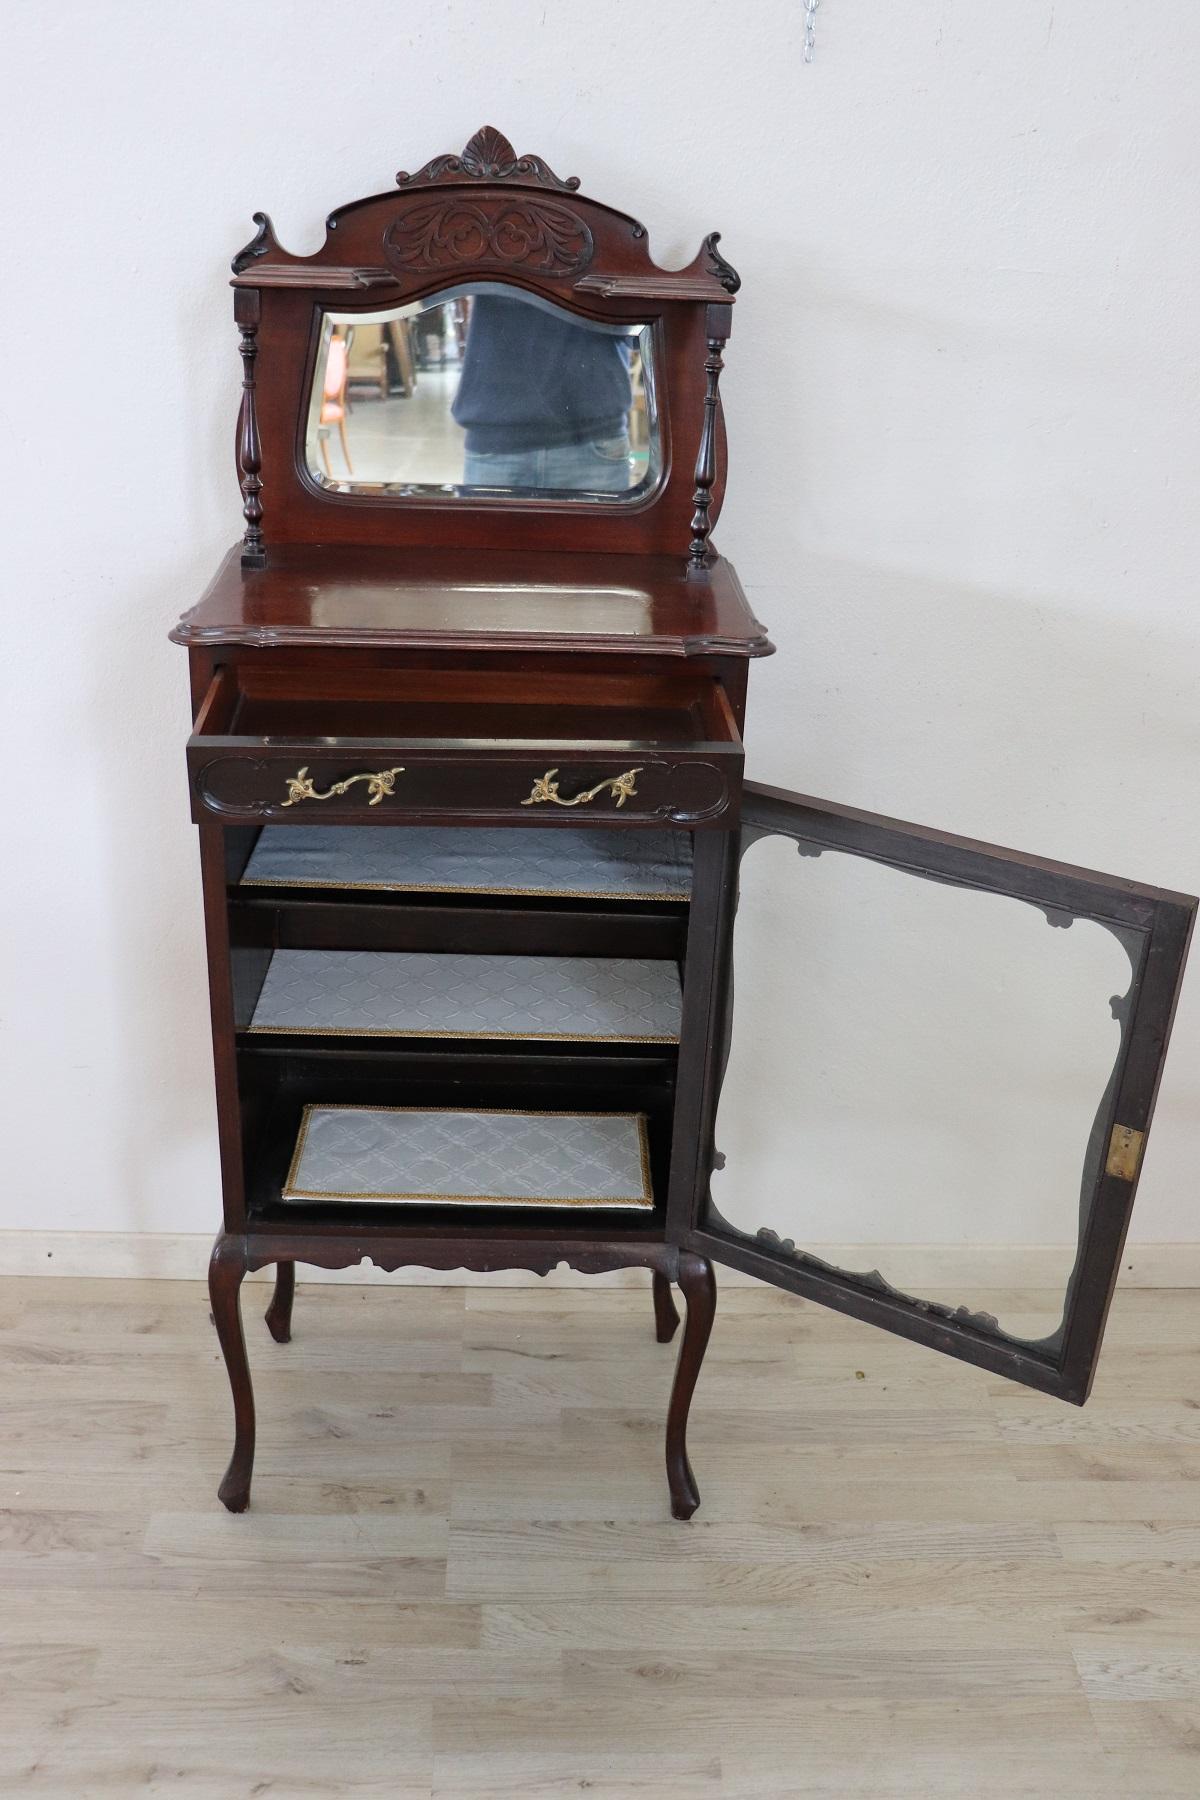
<point x="459" y="1578"/>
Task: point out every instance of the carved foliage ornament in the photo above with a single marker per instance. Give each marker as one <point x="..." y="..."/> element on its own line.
<point x="724" y="271"/>
<point x="488" y="157"/>
<point x="541" y="235"/>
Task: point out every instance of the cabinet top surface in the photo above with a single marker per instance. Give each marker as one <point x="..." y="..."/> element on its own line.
<point x="466" y="599"/>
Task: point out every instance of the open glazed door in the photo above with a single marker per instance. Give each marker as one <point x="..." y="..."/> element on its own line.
<point x="921" y="1053"/>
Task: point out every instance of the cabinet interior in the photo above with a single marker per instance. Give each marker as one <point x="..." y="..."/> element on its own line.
<point x="557" y="991"/>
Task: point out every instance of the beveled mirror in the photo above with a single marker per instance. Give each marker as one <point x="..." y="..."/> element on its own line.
<point x="483" y="390"/>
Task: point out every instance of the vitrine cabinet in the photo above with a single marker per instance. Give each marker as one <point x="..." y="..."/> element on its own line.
<point x="467" y="769"/>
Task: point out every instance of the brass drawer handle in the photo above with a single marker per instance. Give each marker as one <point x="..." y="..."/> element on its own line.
<point x="300" y="786"/>
<point x="619" y="786"/>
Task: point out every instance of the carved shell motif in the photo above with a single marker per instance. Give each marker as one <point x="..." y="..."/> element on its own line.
<point x="545" y="237"/>
<point x="488" y="157"/>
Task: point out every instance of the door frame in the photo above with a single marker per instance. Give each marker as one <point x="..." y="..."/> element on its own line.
<point x="1161" y="919"/>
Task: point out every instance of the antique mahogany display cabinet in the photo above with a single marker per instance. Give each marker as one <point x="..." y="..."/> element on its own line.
<point x="467" y="769"/>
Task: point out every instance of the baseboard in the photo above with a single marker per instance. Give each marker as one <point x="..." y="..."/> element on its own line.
<point x="178" y="1256"/>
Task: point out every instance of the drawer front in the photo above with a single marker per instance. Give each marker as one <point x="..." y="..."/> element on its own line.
<point x="243" y="780"/>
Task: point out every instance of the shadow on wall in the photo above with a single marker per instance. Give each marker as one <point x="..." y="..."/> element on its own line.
<point x="1002" y="719"/>
<point x="1014" y="435"/>
<point x="990" y="714"/>
<point x="162" y="1147"/>
<point x="164" y="1174"/>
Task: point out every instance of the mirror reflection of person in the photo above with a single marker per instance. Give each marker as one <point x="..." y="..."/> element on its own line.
<point x="544" y="401"/>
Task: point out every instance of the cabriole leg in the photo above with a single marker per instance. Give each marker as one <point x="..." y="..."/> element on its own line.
<point x="226" y="1271"/>
<point x="666" y="1319"/>
<point x="279" y="1313"/>
<point x="699" y="1286"/>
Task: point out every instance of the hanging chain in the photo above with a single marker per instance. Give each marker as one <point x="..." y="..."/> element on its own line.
<point x="810" y="28"/>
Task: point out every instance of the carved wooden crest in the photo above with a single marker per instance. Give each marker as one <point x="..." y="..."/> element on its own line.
<point x="540" y="235"/>
<point x="488" y="157"/>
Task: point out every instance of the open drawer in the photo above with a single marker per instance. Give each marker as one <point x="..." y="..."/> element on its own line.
<point x="416" y="746"/>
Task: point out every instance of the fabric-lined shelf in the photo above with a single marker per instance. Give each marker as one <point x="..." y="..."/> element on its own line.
<point x="569" y="862"/>
<point x="374" y="993"/>
<point x="408" y="1156"/>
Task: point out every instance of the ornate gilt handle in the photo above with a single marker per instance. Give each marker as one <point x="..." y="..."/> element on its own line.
<point x="300" y="786"/>
<point x="619" y="786"/>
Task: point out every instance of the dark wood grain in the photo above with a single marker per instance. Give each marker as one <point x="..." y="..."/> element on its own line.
<point x="247" y="311"/>
<point x="226" y="1271"/>
<point x="699" y="1286"/>
<point x="666" y="1318"/>
<point x="331" y="920"/>
<point x="717" y="323"/>
<point x="279" y="1313"/>
<point x="520" y="599"/>
<point x="224" y="1023"/>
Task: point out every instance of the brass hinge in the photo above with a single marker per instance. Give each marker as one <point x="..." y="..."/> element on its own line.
<point x="1124" y="1152"/>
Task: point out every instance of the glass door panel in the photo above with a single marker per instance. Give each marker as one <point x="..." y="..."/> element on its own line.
<point x="941" y="1071"/>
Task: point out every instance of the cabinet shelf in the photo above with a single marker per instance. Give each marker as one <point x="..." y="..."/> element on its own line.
<point x="369" y="994"/>
<point x="281" y="1081"/>
<point x="570" y="863"/>
<point x="398" y="1156"/>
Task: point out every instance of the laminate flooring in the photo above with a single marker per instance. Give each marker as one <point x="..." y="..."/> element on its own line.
<point x="458" y="1577"/>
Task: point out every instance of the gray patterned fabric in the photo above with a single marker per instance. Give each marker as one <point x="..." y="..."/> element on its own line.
<point x="400" y="1154"/>
<point x="423" y="994"/>
<point x="590" y="864"/>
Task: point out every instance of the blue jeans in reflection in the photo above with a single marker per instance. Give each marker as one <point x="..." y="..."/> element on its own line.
<point x="602" y="466"/>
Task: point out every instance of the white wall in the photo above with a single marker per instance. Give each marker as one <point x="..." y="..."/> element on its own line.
<point x="962" y="409"/>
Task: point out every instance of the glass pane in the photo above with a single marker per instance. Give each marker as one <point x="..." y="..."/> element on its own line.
<point x="915" y="1080"/>
<point x="483" y="391"/>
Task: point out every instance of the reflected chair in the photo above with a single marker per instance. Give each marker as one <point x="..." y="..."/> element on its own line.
<point x="400" y="339"/>
<point x="333" y="403"/>
<point x="367" y="359"/>
<point x="639" y="411"/>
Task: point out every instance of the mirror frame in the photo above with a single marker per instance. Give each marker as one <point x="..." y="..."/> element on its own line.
<point x="486" y="215"/>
